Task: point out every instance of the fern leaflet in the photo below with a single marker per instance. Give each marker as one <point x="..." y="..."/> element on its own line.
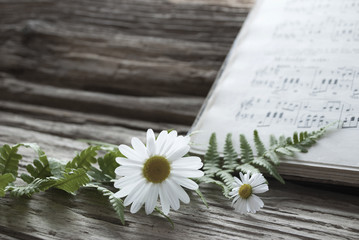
<point x="4" y="181"/>
<point x="9" y="159"/>
<point x="84" y="159"/>
<point x="116" y="203"/>
<point x="73" y="180"/>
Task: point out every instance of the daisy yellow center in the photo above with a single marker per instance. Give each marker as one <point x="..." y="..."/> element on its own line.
<point x="245" y="191"/>
<point x="156" y="169"/>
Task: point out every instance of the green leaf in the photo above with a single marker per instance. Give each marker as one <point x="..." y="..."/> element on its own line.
<point x="73" y="180"/>
<point x="211" y="158"/>
<point x="247" y="167"/>
<point x="226" y="178"/>
<point x="84" y="159"/>
<point x="246" y="150"/>
<point x="269" y="167"/>
<point x="293" y="148"/>
<point x="108" y="163"/>
<point x="230" y="155"/>
<point x="116" y="203"/>
<point x="272" y="140"/>
<point x="272" y="156"/>
<point x="9" y="159"/>
<point x="199" y="193"/>
<point x="35" y="186"/>
<point x="39" y="169"/>
<point x="4" y="181"/>
<point x="259" y="144"/>
<point x="167" y="217"/>
<point x="57" y="168"/>
<point x="284" y="151"/>
<point x="206" y="179"/>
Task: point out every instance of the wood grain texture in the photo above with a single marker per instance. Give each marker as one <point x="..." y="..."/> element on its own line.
<point x="108" y="70"/>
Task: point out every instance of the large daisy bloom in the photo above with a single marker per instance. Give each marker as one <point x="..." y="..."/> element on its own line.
<point x="157" y="169"/>
<point x="244" y="191"/>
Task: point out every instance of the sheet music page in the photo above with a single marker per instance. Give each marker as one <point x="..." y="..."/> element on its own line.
<point x="293" y="67"/>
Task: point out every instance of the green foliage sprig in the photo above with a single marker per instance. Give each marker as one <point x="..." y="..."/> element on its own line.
<point x="45" y="173"/>
<point x="220" y="171"/>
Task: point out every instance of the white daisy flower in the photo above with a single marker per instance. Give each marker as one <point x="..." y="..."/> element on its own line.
<point x="243" y="192"/>
<point x="157" y="169"/>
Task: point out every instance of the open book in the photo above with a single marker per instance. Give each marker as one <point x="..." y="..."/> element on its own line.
<point x="293" y="67"/>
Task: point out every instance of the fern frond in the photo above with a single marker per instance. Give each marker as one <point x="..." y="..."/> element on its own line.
<point x="57" y="168"/>
<point x="72" y="180"/>
<point x="39" y="169"/>
<point x="116" y="203"/>
<point x="269" y="167"/>
<point x="246" y="150"/>
<point x="4" y="181"/>
<point x="84" y="159"/>
<point x="9" y="159"/>
<point x="259" y="144"/>
<point x="272" y="155"/>
<point x="211" y="158"/>
<point x="272" y="140"/>
<point x="226" y="178"/>
<point x="230" y="155"/>
<point x="246" y="167"/>
<point x="108" y="163"/>
<point x="35" y="186"/>
<point x="206" y="179"/>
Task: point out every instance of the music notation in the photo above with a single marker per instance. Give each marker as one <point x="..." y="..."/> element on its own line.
<point x="301" y="114"/>
<point x="311" y="6"/>
<point x="329" y="29"/>
<point x="313" y="80"/>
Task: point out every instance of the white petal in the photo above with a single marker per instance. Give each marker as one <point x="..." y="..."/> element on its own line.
<point x="171" y="195"/>
<point x="139" y="147"/>
<point x="178" y="153"/>
<point x="258" y="200"/>
<point x="137" y="203"/>
<point x="171" y="138"/>
<point x="127" y="162"/>
<point x="151" y="145"/>
<point x="179" y="142"/>
<point x="126" y="190"/>
<point x="130" y="153"/>
<point x="127" y="170"/>
<point x="134" y="194"/>
<point x="257" y="179"/>
<point x="240" y="206"/>
<point x="161" y="141"/>
<point x="187" y="173"/>
<point x="164" y="200"/>
<point x="188" y="163"/>
<point x="152" y="198"/>
<point x="235" y="200"/>
<point x="260" y="188"/>
<point x="238" y="181"/>
<point x="242" y="177"/>
<point x="185" y="182"/>
<point x="182" y="195"/>
<point x="124" y="181"/>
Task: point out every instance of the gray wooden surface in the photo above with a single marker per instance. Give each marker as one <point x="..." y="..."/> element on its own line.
<point x="108" y="70"/>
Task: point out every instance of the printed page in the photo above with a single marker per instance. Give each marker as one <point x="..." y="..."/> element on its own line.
<point x="293" y="67"/>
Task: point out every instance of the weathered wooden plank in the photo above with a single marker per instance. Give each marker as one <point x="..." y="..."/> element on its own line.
<point x="171" y="109"/>
<point x="101" y="47"/>
<point x="66" y="116"/>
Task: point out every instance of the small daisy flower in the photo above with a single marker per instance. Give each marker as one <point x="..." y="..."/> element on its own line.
<point x="157" y="169"/>
<point x="243" y="192"/>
